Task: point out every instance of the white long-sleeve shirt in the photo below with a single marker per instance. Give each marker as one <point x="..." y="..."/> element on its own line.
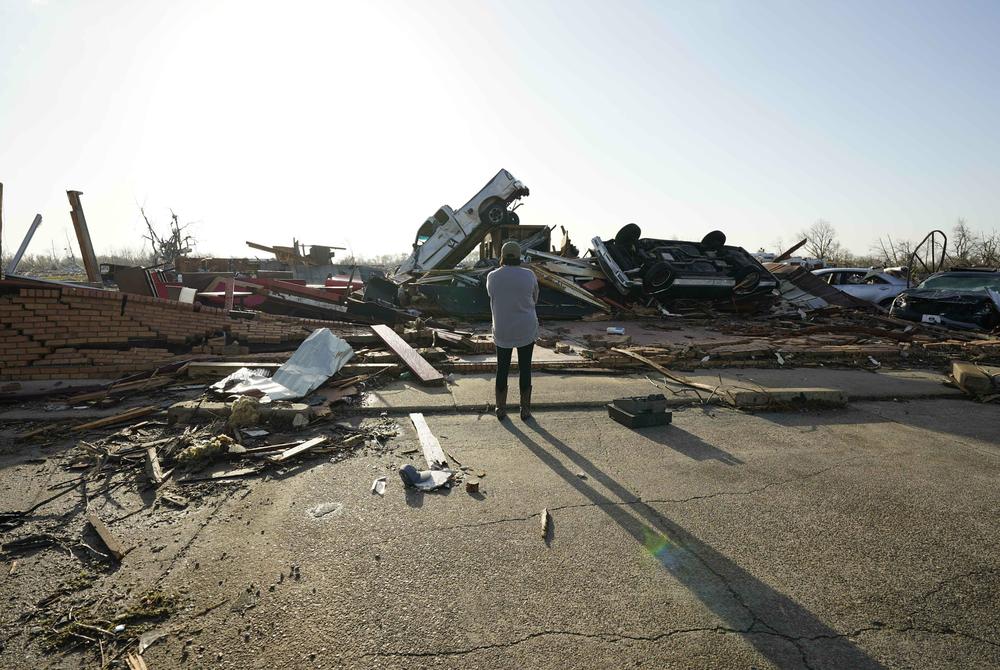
<point x="513" y="292"/>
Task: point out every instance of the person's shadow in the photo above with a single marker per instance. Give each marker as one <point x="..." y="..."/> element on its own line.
<point x="767" y="619"/>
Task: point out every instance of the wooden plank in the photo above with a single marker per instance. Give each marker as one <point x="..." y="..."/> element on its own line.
<point x="118" y="418"/>
<point x="16" y="258"/>
<point x="137" y="386"/>
<point x="433" y="453"/>
<point x="297" y="449"/>
<point x="153" y="469"/>
<point x="113" y="544"/>
<point x="83" y="238"/>
<point x="423" y="370"/>
<point x="546" y="278"/>
<point x="216" y="476"/>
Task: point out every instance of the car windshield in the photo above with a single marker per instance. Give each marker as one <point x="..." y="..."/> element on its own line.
<point x="964" y="282"/>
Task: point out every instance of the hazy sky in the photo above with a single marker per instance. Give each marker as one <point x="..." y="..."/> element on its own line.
<point x="349" y="123"/>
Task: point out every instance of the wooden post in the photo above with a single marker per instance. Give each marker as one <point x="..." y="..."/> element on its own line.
<point x="12" y="265"/>
<point x="83" y="237"/>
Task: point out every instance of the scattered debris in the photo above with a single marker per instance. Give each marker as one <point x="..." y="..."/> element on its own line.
<point x="114" y="545"/>
<point x="425" y="480"/>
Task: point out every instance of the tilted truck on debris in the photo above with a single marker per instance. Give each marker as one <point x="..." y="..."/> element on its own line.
<point x="450" y="235"/>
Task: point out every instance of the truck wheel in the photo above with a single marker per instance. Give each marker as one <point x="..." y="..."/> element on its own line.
<point x="512" y="219"/>
<point x="658" y="277"/>
<point x="747" y="281"/>
<point x="494" y="215"/>
<point x="714" y="240"/>
<point x="628" y="235"/>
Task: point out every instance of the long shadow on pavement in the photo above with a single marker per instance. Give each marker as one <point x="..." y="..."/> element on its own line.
<point x="767" y="619"/>
<point x="689" y="444"/>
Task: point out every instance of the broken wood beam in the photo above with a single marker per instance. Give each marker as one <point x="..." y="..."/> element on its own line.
<point x="297" y="449"/>
<point x="433" y="453"/>
<point x="118" y="418"/>
<point x="424" y="371"/>
<point x="153" y="469"/>
<point x="16" y="258"/>
<point x="113" y="544"/>
<point x="83" y="237"/>
<point x="665" y="372"/>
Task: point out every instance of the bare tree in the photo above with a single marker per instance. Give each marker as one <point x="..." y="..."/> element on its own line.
<point x="989" y="250"/>
<point x="822" y="238"/>
<point x="168" y="247"/>
<point x="893" y="252"/>
<point x="963" y="242"/>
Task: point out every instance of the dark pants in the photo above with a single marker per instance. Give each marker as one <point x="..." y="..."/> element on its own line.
<point x="523" y="365"/>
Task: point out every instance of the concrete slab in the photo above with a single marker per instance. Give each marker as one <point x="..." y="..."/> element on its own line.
<point x="566" y="391"/>
<point x="857" y="384"/>
<point x="406" y="396"/>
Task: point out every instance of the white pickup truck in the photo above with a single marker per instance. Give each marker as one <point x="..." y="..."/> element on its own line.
<point x="450" y="235"/>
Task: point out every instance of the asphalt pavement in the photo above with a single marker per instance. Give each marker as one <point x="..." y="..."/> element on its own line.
<point x="862" y="537"/>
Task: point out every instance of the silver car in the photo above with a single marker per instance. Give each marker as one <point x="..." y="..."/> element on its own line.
<point x="868" y="284"/>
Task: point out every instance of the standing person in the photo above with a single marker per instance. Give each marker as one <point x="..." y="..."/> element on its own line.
<point x="513" y="293"/>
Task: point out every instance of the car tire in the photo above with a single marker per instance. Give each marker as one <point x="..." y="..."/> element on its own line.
<point x="747" y="281"/>
<point x="658" y="277"/>
<point x="512" y="219"/>
<point x="628" y="236"/>
<point x="494" y="215"/>
<point x="715" y="240"/>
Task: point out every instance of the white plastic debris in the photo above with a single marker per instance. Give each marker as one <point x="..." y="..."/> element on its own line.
<point x="378" y="486"/>
<point x="616" y="330"/>
<point x="319" y="357"/>
<point x="781" y="361"/>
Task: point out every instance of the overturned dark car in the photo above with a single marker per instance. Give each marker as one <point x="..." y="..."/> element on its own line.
<point x="668" y="269"/>
<point x="963" y="299"/>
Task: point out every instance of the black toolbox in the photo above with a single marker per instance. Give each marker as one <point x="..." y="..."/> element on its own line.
<point x="640" y="411"/>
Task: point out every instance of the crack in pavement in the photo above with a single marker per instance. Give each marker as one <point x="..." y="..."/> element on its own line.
<point x="647" y="501"/>
<point x="800" y="642"/>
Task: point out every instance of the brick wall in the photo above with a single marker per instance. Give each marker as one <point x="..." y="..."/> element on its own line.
<point x="79" y="333"/>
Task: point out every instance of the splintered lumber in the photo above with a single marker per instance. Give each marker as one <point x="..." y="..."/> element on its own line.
<point x="297" y="449"/>
<point x="423" y="370"/>
<point x="558" y="283"/>
<point x="113" y="544"/>
<point x="117" y="418"/>
<point x="546" y="522"/>
<point x="666" y="373"/>
<point x="138" y="386"/>
<point x="135" y="662"/>
<point x="433" y="453"/>
<point x="153" y="469"/>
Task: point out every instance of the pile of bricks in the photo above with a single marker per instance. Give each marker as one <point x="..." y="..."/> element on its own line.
<point x="78" y="333"/>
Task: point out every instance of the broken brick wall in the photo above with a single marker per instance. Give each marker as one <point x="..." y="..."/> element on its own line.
<point x="77" y="333"/>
